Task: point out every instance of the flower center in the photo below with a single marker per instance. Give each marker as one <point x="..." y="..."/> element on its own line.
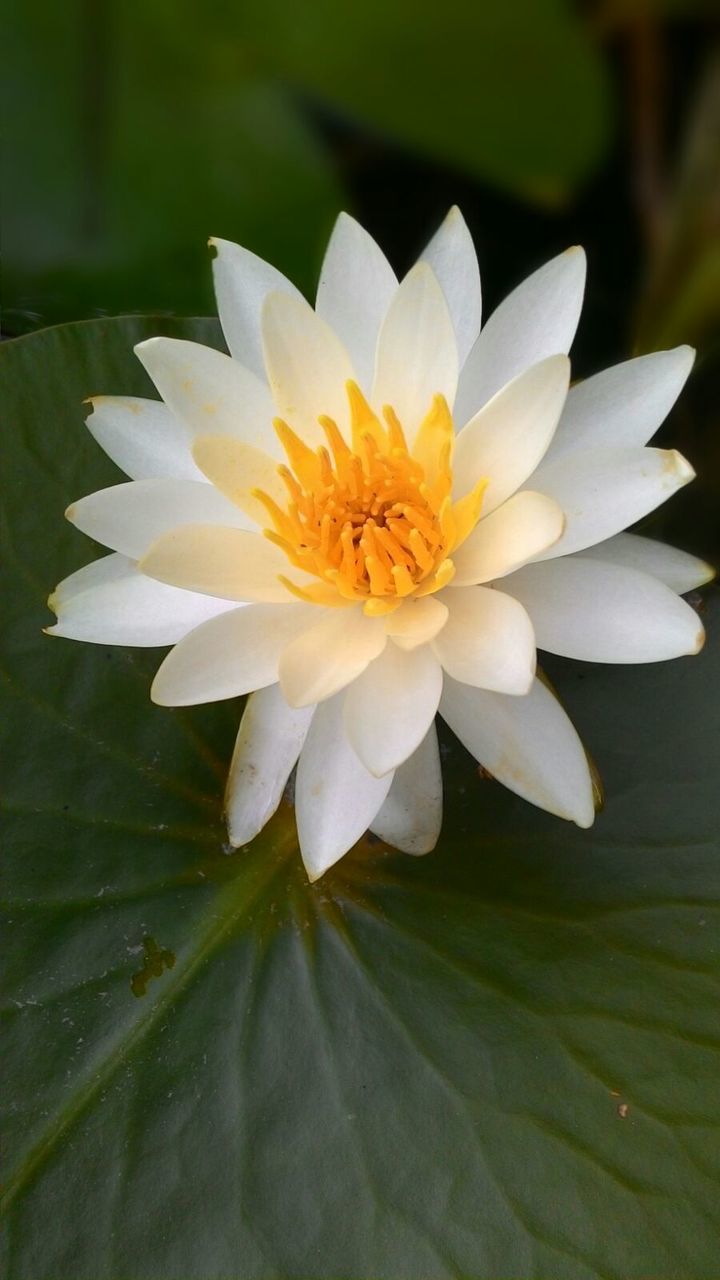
<point x="374" y="520"/>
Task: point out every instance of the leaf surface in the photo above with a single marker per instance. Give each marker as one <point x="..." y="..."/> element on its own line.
<point x="500" y="1060"/>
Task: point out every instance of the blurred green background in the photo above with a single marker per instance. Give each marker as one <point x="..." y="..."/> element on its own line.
<point x="136" y="130"/>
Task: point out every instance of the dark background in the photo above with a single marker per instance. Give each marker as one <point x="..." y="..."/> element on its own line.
<point x="135" y="131"/>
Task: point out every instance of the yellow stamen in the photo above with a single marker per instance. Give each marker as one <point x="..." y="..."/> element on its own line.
<point x="363" y="420"/>
<point x="371" y="520"/>
<point x="434" y="441"/>
<point x="466" y="511"/>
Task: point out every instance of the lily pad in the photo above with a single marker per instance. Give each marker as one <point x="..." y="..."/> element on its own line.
<point x="501" y="1060"/>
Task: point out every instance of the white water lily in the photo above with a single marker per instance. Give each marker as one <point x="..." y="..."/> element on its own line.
<point x="375" y="510"/>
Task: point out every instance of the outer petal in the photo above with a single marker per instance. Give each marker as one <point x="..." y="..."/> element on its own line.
<point x="622" y="406"/>
<point x="229" y="655"/>
<point x="307" y="366"/>
<point x="111" y="602"/>
<point x="328" y="655"/>
<point x="604" y="612"/>
<point x="417" y="352"/>
<point x="336" y="798"/>
<point x="268" y="744"/>
<point x="417" y="621"/>
<point x="390" y="707"/>
<point x="537" y="320"/>
<point x="210" y="392"/>
<point x="143" y="438"/>
<point x="128" y="517"/>
<point x="229" y="563"/>
<point x="487" y="641"/>
<point x="507" y="439"/>
<point x="242" y="283"/>
<point x="356" y="287"/>
<point x="527" y="743"/>
<point x="411" y="817"/>
<point x="451" y="254"/>
<point x="237" y="469"/>
<point x="602" y="491"/>
<point x="525" y="525"/>
<point x="677" y="569"/>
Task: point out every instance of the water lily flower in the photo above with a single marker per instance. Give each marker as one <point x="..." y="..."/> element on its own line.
<point x="374" y="511"/>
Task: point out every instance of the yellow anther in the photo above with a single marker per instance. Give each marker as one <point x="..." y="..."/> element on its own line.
<point x="340" y="450"/>
<point x="420" y="551"/>
<point x="302" y="460"/>
<point x="283" y="523"/>
<point x="466" y="512"/>
<point x="403" y="581"/>
<point x="362" y="418"/>
<point x="434" y="440"/>
<point x="377" y="606"/>
<point x="444" y="574"/>
<point x="396" y="435"/>
<point x="372" y="522"/>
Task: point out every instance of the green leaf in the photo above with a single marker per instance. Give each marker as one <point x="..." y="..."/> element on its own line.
<point x="516" y="94"/>
<point x="497" y="1061"/>
<point x="137" y="132"/>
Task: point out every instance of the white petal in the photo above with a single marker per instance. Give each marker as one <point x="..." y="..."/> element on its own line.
<point x="622" y="406"/>
<point x="242" y="283"/>
<point x="356" y="287"/>
<point x="602" y="491"/>
<point x="417" y="352"/>
<point x="230" y="563"/>
<point x="336" y="798"/>
<point x="603" y="612"/>
<point x="111" y="602"/>
<point x="229" y="655"/>
<point x="417" y="621"/>
<point x="268" y="744"/>
<point x="451" y="254"/>
<point x="143" y="438"/>
<point x="522" y="527"/>
<point x="307" y="366"/>
<point x="328" y="655"/>
<point x="507" y="439"/>
<point x="389" y="708"/>
<point x="675" y="568"/>
<point x="213" y="394"/>
<point x="237" y="470"/>
<point x="128" y="517"/>
<point x="537" y="320"/>
<point x="487" y="641"/>
<point x="411" y="817"/>
<point x="527" y="743"/>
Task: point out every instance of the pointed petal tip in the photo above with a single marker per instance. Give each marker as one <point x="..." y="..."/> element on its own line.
<point x="679" y="466"/>
<point x="146" y="345"/>
<point x="699" y="641"/>
<point x="157" y="696"/>
<point x="585" y="820"/>
<point x="238" y="839"/>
